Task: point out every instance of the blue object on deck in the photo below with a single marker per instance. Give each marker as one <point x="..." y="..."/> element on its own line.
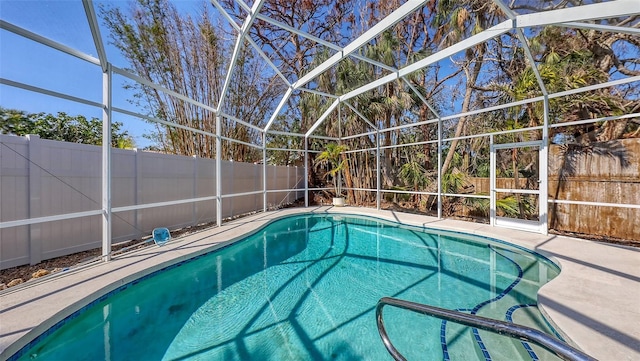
<point x="161" y="236"/>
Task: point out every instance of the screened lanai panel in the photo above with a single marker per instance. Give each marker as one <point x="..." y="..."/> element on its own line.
<point x="293" y="51"/>
<point x="132" y="96"/>
<point x="349" y="74"/>
<point x="42" y="106"/>
<point x="177" y="101"/>
<point x="285" y="157"/>
<point x="300" y="112"/>
<point x="361" y="16"/>
<point x="285" y="147"/>
<point x="254" y="88"/>
<point x="509" y="124"/>
<point x="191" y="42"/>
<point x="569" y="58"/>
<point x="64" y="22"/>
<point x="598" y="115"/>
<point x="450" y="22"/>
<point x="51" y="70"/>
<point x="441" y="83"/>
<point x="506" y="74"/>
<point x="357" y="126"/>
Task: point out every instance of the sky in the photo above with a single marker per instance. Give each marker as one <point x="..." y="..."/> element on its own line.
<point x="29" y="62"/>
<point x="26" y="61"/>
<point x="64" y="21"/>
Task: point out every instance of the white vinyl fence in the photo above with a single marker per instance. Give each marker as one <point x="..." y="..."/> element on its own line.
<point x="41" y="178"/>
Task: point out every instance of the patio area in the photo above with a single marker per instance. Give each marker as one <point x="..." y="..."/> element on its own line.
<point x="521" y="117"/>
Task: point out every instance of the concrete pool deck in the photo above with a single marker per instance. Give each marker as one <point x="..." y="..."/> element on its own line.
<point x="595" y="301"/>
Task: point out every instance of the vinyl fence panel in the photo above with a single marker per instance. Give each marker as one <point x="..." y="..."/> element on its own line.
<point x="44" y="178"/>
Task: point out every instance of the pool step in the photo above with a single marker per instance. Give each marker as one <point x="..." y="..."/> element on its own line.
<point x="505" y="330"/>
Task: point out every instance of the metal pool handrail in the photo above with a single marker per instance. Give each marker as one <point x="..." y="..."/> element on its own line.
<point x="523" y="333"/>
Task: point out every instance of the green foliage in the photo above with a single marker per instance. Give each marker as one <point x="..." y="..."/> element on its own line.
<point x="395" y="197"/>
<point x="454" y="181"/>
<point x="508" y="206"/>
<point x="281" y="141"/>
<point x="331" y="158"/>
<point x="62" y="127"/>
<point x="413" y="173"/>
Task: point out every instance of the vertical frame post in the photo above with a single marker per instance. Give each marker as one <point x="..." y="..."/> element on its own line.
<point x="492" y="182"/>
<point x="339" y="185"/>
<point x="106" y="162"/>
<point x="440" y="167"/>
<point x="378" y="170"/>
<point x="543" y="172"/>
<point x="264" y="171"/>
<point x="218" y="171"/>
<point x="306" y="171"/>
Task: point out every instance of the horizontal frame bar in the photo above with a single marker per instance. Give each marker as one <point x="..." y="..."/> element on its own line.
<point x="597" y="204"/>
<point x="232" y="195"/>
<point x="518" y="191"/>
<point x="287" y="150"/>
<point x="58" y="217"/>
<point x="48" y="42"/>
<point x="156" y="120"/>
<point x="52" y="93"/>
<point x="162" y="204"/>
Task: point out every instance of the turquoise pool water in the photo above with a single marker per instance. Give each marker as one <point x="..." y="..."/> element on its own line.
<point x="305" y="288"/>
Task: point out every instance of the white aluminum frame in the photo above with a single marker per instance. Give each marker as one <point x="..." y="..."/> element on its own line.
<point x="526" y="225"/>
<point x="577" y="17"/>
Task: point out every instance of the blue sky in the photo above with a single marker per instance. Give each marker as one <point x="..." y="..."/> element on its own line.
<point x="25" y="61"/>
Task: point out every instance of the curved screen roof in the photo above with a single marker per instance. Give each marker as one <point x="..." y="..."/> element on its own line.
<point x="343" y="42"/>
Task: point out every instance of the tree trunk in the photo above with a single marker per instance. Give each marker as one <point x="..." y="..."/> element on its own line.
<point x="347" y="179"/>
<point x="471" y="81"/>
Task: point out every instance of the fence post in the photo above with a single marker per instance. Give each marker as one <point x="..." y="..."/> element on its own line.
<point x="289" y="195"/>
<point x="138" y="195"/>
<point x="297" y="182"/>
<point x="35" y="189"/>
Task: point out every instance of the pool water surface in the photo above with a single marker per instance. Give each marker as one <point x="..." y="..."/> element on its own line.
<point x="306" y="288"/>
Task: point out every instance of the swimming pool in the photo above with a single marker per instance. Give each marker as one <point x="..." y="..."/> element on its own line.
<point x="306" y="287"/>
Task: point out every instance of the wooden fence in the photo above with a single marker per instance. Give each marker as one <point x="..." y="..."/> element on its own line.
<point x="607" y="172"/>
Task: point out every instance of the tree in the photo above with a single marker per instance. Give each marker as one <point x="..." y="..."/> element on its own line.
<point x="331" y="158"/>
<point x="62" y="127"/>
<point x="293" y="53"/>
<point x="455" y="21"/>
<point x="414" y="174"/>
<point x="570" y="59"/>
<point x="191" y="57"/>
